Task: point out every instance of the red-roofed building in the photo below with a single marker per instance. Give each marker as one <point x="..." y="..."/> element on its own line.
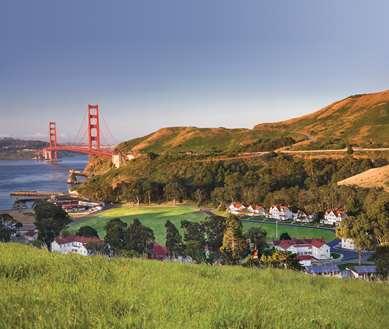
<point x="316" y="248"/>
<point x="74" y="244"/>
<point x="334" y="216"/>
<point x="256" y="210"/>
<point x="236" y="208"/>
<point x="159" y="252"/>
<point x="280" y="212"/>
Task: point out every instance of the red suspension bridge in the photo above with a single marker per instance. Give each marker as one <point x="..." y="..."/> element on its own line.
<point x="93" y="146"/>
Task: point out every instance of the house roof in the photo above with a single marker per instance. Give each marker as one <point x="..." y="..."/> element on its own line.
<point x="77" y="238"/>
<point x="323" y="268"/>
<point x="364" y="269"/>
<point x="237" y="204"/>
<point x="305" y="257"/>
<point x="285" y="244"/>
<point x="159" y="250"/>
<point x="280" y="206"/>
<point x="336" y="211"/>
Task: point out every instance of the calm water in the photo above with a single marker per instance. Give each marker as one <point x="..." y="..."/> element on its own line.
<point x="35" y="175"/>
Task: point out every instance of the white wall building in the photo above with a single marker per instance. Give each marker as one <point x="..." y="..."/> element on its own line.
<point x="302" y="217"/>
<point x="256" y="210"/>
<point x="280" y="212"/>
<point x="316" y="248"/>
<point x="348" y="244"/>
<point x="73" y="244"/>
<point x="236" y="208"/>
<point x="334" y="216"/>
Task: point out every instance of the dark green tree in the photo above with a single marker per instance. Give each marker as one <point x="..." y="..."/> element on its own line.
<point x="116" y="234"/>
<point x="285" y="236"/>
<point x="256" y="237"/>
<point x="140" y="238"/>
<point x="174" y="242"/>
<point x="234" y="244"/>
<point x="213" y="231"/>
<point x="50" y="220"/>
<point x="87" y="231"/>
<point x="5" y="233"/>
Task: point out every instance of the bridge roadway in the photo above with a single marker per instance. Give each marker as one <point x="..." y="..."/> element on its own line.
<point x="103" y="152"/>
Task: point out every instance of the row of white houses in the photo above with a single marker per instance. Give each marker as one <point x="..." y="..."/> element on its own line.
<point x="283" y="212"/>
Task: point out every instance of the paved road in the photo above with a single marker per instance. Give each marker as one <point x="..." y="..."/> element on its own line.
<point x="285" y="224"/>
<point x="250" y="155"/>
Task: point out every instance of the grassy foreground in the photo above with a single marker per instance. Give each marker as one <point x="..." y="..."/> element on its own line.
<point x="156" y="216"/>
<point x="43" y="290"/>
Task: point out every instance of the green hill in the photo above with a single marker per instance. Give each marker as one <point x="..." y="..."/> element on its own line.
<point x="362" y="120"/>
<point x="43" y="290"/>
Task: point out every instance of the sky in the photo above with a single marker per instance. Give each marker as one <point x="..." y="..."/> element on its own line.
<point x="207" y="63"/>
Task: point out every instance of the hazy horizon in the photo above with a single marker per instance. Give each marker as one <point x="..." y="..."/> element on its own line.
<point x="174" y="63"/>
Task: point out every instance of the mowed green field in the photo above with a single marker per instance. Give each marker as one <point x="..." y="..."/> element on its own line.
<point x="41" y="290"/>
<point x="155" y="217"/>
<point x="293" y="231"/>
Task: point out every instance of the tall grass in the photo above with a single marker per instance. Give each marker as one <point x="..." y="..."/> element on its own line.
<point x="43" y="290"/>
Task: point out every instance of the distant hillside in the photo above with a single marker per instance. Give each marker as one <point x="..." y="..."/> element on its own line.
<point x="43" y="290"/>
<point x="377" y="177"/>
<point x="14" y="149"/>
<point x="361" y="120"/>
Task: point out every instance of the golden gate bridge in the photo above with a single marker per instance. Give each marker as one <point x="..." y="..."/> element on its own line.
<point x="93" y="147"/>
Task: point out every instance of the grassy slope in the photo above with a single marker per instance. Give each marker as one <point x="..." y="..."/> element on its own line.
<point x="377" y="177"/>
<point x="155" y="218"/>
<point x="360" y="119"/>
<point x="42" y="290"/>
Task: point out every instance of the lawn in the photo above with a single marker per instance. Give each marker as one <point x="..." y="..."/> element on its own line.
<point x="42" y="290"/>
<point x="293" y="231"/>
<point x="154" y="217"/>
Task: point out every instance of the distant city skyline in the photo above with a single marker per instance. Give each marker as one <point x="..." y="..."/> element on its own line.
<point x="153" y="64"/>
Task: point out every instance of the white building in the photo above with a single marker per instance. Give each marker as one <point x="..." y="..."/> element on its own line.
<point x="280" y="212"/>
<point x="348" y="244"/>
<point x="236" y="208"/>
<point x="74" y="244"/>
<point x="306" y="249"/>
<point x="302" y="217"/>
<point x="256" y="210"/>
<point x="334" y="216"/>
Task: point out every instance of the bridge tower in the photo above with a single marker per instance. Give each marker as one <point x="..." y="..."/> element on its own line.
<point x="93" y="127"/>
<point x="52" y="153"/>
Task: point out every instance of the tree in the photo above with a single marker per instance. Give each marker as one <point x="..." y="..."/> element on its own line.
<point x="349" y="149"/>
<point x="285" y="236"/>
<point x="360" y="230"/>
<point x="281" y="259"/>
<point x="5" y="233"/>
<point x="257" y="238"/>
<point x="382" y="260"/>
<point x="174" y="190"/>
<point x="8" y="226"/>
<point x="194" y="240"/>
<point x="116" y="234"/>
<point x="213" y="229"/>
<point x="139" y="238"/>
<point x="50" y="220"/>
<point x="234" y="245"/>
<point x="87" y="231"/>
<point x="174" y="242"/>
